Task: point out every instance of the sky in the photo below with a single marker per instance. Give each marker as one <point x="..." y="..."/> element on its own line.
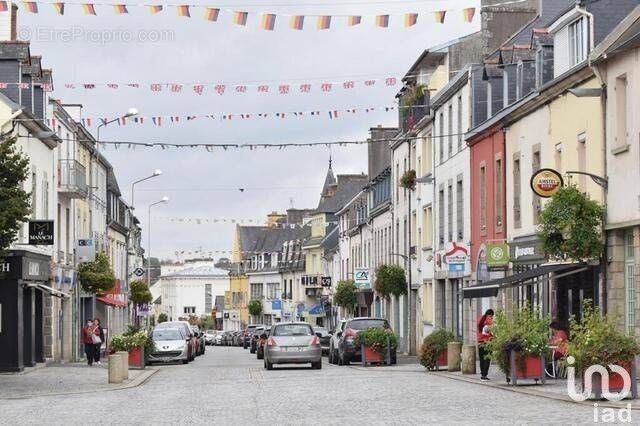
<point x="200" y="184"/>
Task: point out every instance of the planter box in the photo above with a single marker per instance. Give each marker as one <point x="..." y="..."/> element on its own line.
<point x="369" y="356"/>
<point x="136" y="358"/>
<point x="442" y="360"/>
<point x="616" y="382"/>
<point x="525" y="368"/>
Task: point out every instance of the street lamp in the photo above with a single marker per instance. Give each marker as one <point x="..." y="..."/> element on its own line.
<point x="164" y="200"/>
<point x="155" y="173"/>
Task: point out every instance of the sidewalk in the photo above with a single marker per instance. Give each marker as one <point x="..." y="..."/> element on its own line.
<point x="64" y="379"/>
<point x="552" y="389"/>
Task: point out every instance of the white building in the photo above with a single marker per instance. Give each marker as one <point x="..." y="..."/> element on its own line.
<point x="192" y="291"/>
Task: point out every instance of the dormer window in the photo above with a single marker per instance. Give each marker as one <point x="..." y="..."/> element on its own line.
<point x="577" y="42"/>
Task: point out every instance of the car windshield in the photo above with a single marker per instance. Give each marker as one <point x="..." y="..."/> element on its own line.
<point x="167" y="334"/>
<point x="293" y="330"/>
<point x="363" y="324"/>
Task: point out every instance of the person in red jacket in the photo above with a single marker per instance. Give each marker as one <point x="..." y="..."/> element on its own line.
<point x="89" y="334"/>
<point x="484" y="335"/>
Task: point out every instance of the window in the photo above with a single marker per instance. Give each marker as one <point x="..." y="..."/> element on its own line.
<point x="427" y="162"/>
<point x="441" y="218"/>
<point x="189" y="310"/>
<point x="483" y="199"/>
<point x="256" y="291"/>
<point x="621" y="130"/>
<point x="489" y="100"/>
<point x="459" y="209"/>
<point x="273" y="290"/>
<point x="498" y="192"/>
<point x="450" y="129"/>
<point x="535" y="165"/>
<point x="505" y="88"/>
<point x="629" y="282"/>
<point x="441" y="138"/>
<point x="427" y="227"/>
<point x="450" y="212"/>
<point x="577" y="45"/>
<point x="34" y="185"/>
<point x="460" y="129"/>
<point x="208" y="298"/>
<point x="582" y="160"/>
<point x="517" y="218"/>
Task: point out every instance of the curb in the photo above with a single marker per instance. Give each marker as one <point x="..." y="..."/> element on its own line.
<point x="138" y="381"/>
<point x="532" y="392"/>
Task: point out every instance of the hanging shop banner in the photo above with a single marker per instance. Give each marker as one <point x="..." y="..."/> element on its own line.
<point x="85" y="251"/>
<point x="546" y="182"/>
<point x="455" y="257"/>
<point x="41" y="232"/>
<point x="361" y="276"/>
<point x="497" y="255"/>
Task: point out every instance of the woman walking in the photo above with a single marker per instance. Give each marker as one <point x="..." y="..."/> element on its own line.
<point x="484" y="335"/>
<point x="98" y="344"/>
<point x="88" y="339"/>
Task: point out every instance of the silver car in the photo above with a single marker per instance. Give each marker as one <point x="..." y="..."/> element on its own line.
<point x="292" y="343"/>
<point x="169" y="345"/>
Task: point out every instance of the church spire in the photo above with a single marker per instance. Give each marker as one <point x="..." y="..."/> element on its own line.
<point x="329" y="181"/>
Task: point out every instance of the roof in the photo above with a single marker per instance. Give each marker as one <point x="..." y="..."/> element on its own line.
<point x="452" y="86"/>
<point x="348" y="186"/>
<point x="262" y="239"/>
<point x="112" y="182"/>
<point x="200" y="271"/>
<point x="623" y="37"/>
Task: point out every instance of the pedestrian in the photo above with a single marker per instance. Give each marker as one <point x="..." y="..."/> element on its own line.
<point x="484" y="335"/>
<point x="559" y="340"/>
<point x="98" y="345"/>
<point x="88" y="337"/>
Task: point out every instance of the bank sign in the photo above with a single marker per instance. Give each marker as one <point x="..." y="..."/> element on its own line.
<point x="455" y="257"/>
<point x="361" y="276"/>
<point x="41" y="232"/>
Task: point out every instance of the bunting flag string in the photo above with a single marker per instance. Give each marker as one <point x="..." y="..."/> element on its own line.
<point x="177" y="119"/>
<point x="243" y="221"/>
<point x="266" y="20"/>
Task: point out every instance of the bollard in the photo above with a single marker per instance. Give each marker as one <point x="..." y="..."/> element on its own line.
<point x="125" y="364"/>
<point x="469" y="359"/>
<point x="453" y="356"/>
<point x="115" y="369"/>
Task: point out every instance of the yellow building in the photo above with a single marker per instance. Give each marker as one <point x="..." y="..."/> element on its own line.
<point x="236" y="314"/>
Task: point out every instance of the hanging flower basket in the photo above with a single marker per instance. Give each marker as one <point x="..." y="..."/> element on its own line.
<point x="408" y="180"/>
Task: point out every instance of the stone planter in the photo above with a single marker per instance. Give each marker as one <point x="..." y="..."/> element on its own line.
<point x="528" y="367"/>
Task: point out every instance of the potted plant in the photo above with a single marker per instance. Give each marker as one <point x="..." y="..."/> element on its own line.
<point x="433" y="352"/>
<point x="376" y="343"/>
<point x="520" y="343"/>
<point x="596" y="340"/>
<point x="408" y="179"/>
<point x="133" y="341"/>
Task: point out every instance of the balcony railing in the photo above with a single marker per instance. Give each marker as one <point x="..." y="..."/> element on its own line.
<point x="72" y="177"/>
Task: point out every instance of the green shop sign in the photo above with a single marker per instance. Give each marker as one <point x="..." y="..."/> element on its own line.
<point x="497" y="255"/>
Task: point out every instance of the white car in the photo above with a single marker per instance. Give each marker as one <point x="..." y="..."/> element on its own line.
<point x="218" y="339"/>
<point x="209" y="337"/>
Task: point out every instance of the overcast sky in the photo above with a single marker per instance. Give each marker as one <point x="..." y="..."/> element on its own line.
<point x="204" y="184"/>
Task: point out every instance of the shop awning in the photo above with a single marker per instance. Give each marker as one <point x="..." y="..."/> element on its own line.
<point x="111" y="301"/>
<point x="50" y="290"/>
<point x="490" y="288"/>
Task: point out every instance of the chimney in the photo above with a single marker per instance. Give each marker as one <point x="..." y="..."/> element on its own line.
<point x="14" y="21"/>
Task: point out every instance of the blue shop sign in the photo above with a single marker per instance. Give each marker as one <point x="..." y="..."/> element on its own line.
<point x="276" y="305"/>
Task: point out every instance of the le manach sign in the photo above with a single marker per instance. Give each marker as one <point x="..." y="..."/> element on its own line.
<point x="41" y="232"/>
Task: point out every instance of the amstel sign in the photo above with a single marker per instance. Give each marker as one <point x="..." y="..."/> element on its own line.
<point x="546" y="182"/>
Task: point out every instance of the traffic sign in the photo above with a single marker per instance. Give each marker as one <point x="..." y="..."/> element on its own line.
<point x="138" y="272"/>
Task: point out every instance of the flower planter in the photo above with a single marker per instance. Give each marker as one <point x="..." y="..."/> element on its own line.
<point x="369" y="356"/>
<point x="442" y="360"/>
<point x="527" y="367"/>
<point x="616" y="382"/>
<point x="136" y="358"/>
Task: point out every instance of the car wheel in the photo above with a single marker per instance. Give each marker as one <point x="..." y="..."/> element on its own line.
<point x="317" y="365"/>
<point x="185" y="361"/>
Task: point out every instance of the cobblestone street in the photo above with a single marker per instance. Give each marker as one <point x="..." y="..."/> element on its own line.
<point x="229" y="386"/>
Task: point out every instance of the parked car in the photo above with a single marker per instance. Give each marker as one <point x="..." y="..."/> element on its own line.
<point x="334" y="341"/>
<point x="209" y="337"/>
<point x="255" y="337"/>
<point x="346" y="351"/>
<point x="218" y="339"/>
<point x="200" y="339"/>
<point x="325" y="338"/>
<point x="292" y="343"/>
<point x="186" y="327"/>
<point x="248" y="333"/>
<point x="169" y="345"/>
<point x="262" y="341"/>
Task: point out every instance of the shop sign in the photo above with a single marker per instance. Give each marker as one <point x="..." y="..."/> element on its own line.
<point x="497" y="255"/>
<point x="33" y="269"/>
<point x="5" y="267"/>
<point x="361" y="277"/>
<point x="41" y="232"/>
<point x="455" y="257"/>
<point x="326" y="281"/>
<point x="546" y="182"/>
<point x="276" y="305"/>
<point x="527" y="251"/>
<point x="85" y="251"/>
